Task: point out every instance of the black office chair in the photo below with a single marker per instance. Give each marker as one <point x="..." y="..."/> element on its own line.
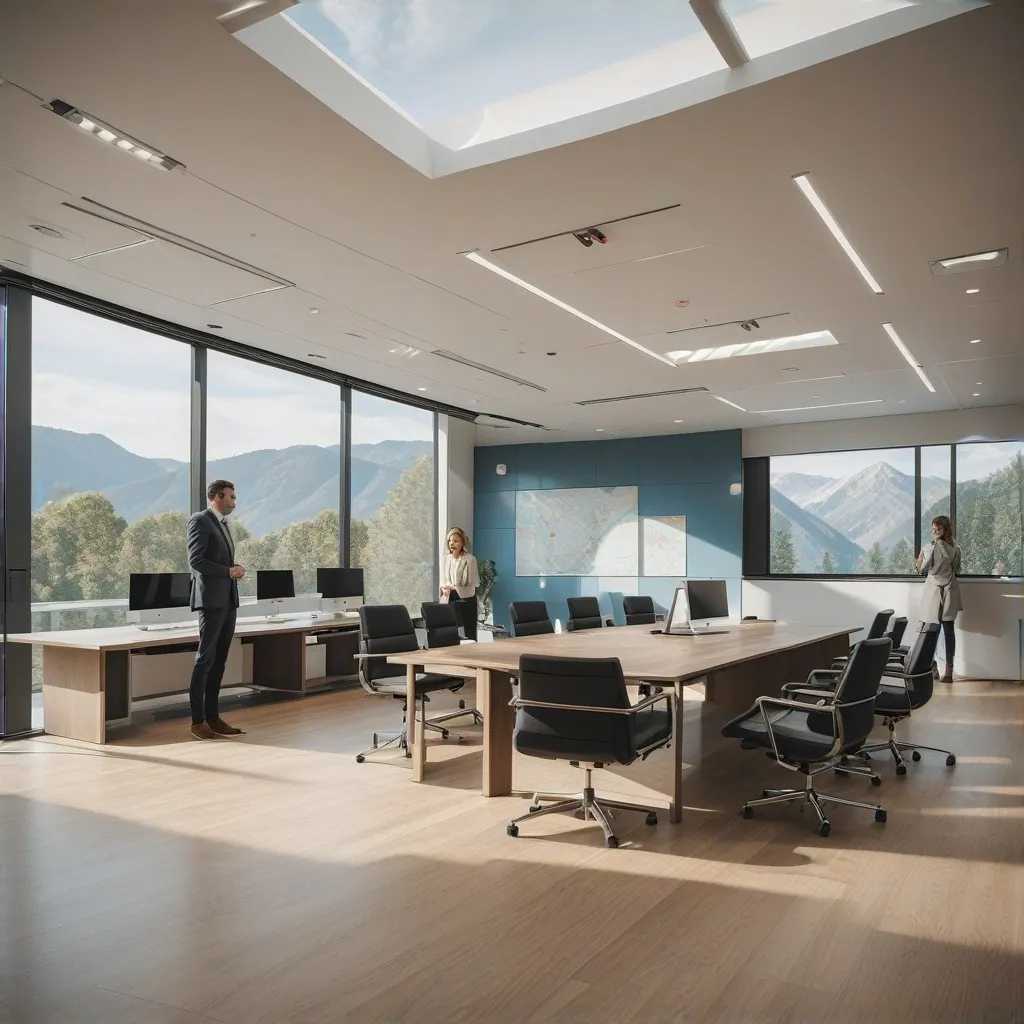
<point x="385" y="630"/>
<point x="530" y="618"/>
<point x="905" y="689"/>
<point x="584" y="613"/>
<point x="577" y="710"/>
<point x="812" y="734"/>
<point x="896" y="631"/>
<point x="875" y="630"/>
<point x="442" y="628"/>
<point x="639" y="610"/>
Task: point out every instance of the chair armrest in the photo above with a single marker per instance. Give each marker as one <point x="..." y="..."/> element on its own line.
<point x="823" y="673"/>
<point x="762" y="704"/>
<point x="806" y="691"/>
<point x="364" y="656"/>
<point x="518" y="702"/>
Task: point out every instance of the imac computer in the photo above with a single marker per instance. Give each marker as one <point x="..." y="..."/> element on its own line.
<point x="159" y="597"/>
<point x="680" y="615"/>
<point x="274" y="586"/>
<point x="341" y="590"/>
<point x="709" y="599"/>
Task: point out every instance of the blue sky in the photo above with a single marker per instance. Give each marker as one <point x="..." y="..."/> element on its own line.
<point x="93" y="375"/>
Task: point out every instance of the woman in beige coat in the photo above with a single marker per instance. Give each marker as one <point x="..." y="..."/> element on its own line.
<point x="940" y="602"/>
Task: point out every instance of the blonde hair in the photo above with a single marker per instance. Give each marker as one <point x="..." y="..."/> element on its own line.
<point x="448" y="539"/>
<point x="945" y="529"/>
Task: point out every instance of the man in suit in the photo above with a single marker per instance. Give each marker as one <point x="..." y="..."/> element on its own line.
<point x="215" y="576"/>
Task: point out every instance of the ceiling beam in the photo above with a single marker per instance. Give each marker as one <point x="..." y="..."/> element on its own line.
<point x="720" y="28"/>
<point x="248" y="12"/>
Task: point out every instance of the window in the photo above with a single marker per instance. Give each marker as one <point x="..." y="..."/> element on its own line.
<point x="843" y="513"/>
<point x="393" y="499"/>
<point x="990" y="507"/>
<point x="276" y="436"/>
<point x="936" y="463"/>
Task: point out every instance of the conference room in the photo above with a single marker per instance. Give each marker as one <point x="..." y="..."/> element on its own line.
<point x="511" y="512"/>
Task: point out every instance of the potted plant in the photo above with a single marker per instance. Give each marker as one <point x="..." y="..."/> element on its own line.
<point x="488" y="577"/>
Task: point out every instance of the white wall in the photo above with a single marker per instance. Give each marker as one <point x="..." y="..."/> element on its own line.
<point x="998" y="423"/>
<point x="990" y="631"/>
<point x="455" y="441"/>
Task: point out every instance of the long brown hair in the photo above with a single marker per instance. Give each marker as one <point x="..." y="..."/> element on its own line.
<point x="448" y="540"/>
<point x="945" y="529"/>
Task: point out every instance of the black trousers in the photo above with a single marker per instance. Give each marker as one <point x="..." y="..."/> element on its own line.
<point x="216" y="630"/>
<point x="950" y="640"/>
<point x="465" y="612"/>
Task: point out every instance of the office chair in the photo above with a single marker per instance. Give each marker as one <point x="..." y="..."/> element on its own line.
<point x="896" y="631"/>
<point x="906" y="688"/>
<point x="875" y="630"/>
<point x="385" y="630"/>
<point x="442" y="627"/>
<point x="639" y="610"/>
<point x="812" y="734"/>
<point x="584" y="613"/>
<point x="577" y="710"/>
<point x="530" y="618"/>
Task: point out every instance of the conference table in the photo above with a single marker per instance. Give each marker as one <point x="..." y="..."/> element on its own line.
<point x="735" y="667"/>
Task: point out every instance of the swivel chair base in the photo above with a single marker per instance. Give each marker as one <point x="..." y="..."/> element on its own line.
<point x="592" y="809"/>
<point x="897" y="748"/>
<point x="384" y="739"/>
<point x="809" y="795"/>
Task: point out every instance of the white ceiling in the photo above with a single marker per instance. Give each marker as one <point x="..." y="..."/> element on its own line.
<point x="916" y="144"/>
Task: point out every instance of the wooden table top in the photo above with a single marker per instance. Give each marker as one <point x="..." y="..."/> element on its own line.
<point x="643" y="655"/>
<point x="130" y="637"/>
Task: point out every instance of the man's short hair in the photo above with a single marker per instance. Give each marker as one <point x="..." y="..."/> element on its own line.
<point x="217" y="488"/>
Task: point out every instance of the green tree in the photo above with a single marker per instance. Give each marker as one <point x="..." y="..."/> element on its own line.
<point x="358" y="541"/>
<point x="400" y="548"/>
<point x="828" y="564"/>
<point x="901" y="559"/>
<point x="306" y="546"/>
<point x="979" y="552"/>
<point x="254" y="553"/>
<point x="783" y="554"/>
<point x="154" y="544"/>
<point x="873" y="560"/>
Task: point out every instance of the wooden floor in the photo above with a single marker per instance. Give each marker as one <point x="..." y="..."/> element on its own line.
<point x="272" y="879"/>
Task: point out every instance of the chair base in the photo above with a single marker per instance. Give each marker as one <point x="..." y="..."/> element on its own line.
<point x="809" y="795"/>
<point x="897" y="749"/>
<point x="400" y="738"/>
<point x="592" y="810"/>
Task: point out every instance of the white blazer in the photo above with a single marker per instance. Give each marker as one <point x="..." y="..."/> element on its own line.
<point x="460" y="573"/>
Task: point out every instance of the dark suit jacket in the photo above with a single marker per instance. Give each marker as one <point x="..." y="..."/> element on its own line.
<point x="210" y="559"/>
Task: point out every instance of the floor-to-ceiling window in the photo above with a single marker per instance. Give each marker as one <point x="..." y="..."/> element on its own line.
<point x="392" y="500"/>
<point x="990" y="507"/>
<point x="276" y="436"/>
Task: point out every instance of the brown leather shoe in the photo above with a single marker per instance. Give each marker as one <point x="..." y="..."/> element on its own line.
<point x="221" y="728"/>
<point x="202" y="731"/>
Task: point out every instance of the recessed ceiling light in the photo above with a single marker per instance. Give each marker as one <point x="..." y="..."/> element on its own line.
<point x="105" y="133"/>
<point x="977" y="383"/>
<point x="833" y="405"/>
<point x="804" y="184"/>
<point x="975" y="341"/>
<point x="682" y="303"/>
<point x="725" y="401"/>
<point x="315" y="355"/>
<point x="599" y="430"/>
<point x="976" y="395"/>
<point x="481" y="261"/>
<point x="978" y="257"/>
<point x="972" y="291"/>
<point x="421" y="389"/>
<point x="215" y="327"/>
<point x="45" y="229"/>
<point x="314" y="309"/>
<point x="815" y="339"/>
<point x="679" y="421"/>
<point x="969" y="262"/>
<point x="908" y="355"/>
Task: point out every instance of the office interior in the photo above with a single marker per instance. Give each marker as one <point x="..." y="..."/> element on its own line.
<point x="712" y="293"/>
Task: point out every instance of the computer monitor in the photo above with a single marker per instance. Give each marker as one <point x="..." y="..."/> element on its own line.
<point x="709" y="599"/>
<point x="155" y="591"/>
<point x="274" y="584"/>
<point x="333" y="583"/>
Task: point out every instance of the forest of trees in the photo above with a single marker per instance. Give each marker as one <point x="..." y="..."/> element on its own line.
<point x="989" y="528"/>
<point x="83" y="550"/>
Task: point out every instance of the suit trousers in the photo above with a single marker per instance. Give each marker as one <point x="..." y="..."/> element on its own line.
<point x="465" y="613"/>
<point x="216" y="631"/>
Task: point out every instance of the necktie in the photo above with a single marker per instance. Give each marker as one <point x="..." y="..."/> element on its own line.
<point x="231" y="540"/>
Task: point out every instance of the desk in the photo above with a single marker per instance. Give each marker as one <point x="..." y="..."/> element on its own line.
<point x="752" y="659"/>
<point x="87" y="674"/>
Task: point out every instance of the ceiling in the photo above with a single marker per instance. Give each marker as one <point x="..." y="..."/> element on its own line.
<point x="916" y="144"/>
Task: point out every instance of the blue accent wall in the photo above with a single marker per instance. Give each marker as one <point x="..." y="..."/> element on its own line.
<point x="678" y="474"/>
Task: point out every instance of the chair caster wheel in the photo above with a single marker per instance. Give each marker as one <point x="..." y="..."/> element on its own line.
<point x="512" y="830"/>
<point x="612" y="843"/>
<point x="824" y="829"/>
<point x="875" y="780"/>
<point x="462" y="705"/>
<point x="533" y="808"/>
<point x="747" y="812"/>
<point x="651" y="819"/>
<point x="459" y="739"/>
<point x="880" y="816"/>
<point x="901" y="769"/>
<point x="360" y="758"/>
<point x="916" y="755"/>
<point x="951" y="760"/>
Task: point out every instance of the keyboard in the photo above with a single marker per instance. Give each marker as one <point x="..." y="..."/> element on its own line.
<point x="164" y="627"/>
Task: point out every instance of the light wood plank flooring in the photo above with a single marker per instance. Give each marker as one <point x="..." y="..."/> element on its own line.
<point x="272" y="879"/>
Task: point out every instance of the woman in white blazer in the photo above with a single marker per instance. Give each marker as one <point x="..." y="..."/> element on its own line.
<point x="940" y="602"/>
<point x="459" y="579"/>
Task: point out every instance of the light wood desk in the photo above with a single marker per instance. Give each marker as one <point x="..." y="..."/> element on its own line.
<point x="86" y="672"/>
<point x="752" y="659"/>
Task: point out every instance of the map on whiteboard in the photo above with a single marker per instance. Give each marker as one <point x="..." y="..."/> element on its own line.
<point x="577" y="531"/>
<point x="664" y="546"/>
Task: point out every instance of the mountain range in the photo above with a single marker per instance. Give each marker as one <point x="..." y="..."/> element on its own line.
<point x="847" y="515"/>
<point x="276" y="487"/>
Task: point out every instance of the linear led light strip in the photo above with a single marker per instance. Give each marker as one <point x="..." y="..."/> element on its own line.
<point x="908" y="355"/>
<point x="831" y="405"/>
<point x="103" y="132"/>
<point x="803" y="182"/>
<point x="481" y="261"/>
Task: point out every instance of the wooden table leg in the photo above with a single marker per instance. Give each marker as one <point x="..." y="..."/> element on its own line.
<point x="675" y="811"/>
<point x="494" y="691"/>
<point x="73" y="694"/>
<point x="416" y="730"/>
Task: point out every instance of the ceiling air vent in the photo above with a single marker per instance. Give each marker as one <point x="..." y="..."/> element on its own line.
<point x="452" y="357"/>
<point x="651" y="394"/>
